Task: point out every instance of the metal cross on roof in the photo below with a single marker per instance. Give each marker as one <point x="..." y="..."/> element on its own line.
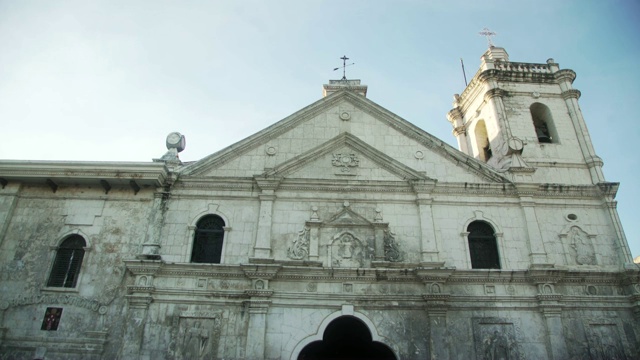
<point x="344" y="59"/>
<point x="488" y="33"/>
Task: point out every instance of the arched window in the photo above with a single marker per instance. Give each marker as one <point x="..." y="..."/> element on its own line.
<point x="66" y="266"/>
<point x="482" y="141"/>
<point x="207" y="242"/>
<point x="483" y="246"/>
<point x="543" y="123"/>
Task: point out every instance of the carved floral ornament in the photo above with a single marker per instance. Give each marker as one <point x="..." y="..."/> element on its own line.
<point x="345" y="161"/>
<point x="391" y="250"/>
<point x="299" y="249"/>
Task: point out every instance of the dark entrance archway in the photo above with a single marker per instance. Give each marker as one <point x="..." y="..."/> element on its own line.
<point x="346" y="338"/>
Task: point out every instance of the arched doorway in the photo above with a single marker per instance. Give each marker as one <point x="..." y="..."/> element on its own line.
<point x="346" y="338"/>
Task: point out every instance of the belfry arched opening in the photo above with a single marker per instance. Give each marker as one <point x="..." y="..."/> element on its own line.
<point x="346" y="337"/>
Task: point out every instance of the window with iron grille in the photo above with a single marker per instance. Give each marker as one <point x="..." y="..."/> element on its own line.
<point x="207" y="242"/>
<point x="66" y="266"/>
<point x="483" y="246"/>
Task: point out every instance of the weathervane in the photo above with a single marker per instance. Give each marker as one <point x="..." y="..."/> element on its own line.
<point x="488" y="33"/>
<point x="344" y="59"/>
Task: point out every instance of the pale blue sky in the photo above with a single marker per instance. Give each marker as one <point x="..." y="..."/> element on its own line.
<point x="108" y="80"/>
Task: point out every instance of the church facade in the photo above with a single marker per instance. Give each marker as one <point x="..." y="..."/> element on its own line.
<point x="342" y="230"/>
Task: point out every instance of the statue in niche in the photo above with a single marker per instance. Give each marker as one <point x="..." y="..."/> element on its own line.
<point x="582" y="248"/>
<point x="299" y="250"/>
<point x="496" y="347"/>
<point x="391" y="251"/>
<point x="196" y="341"/>
<point x="347" y="251"/>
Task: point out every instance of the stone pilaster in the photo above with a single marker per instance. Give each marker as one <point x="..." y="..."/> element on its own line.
<point x="262" y="248"/>
<point x="314" y="233"/>
<point x="551" y="308"/>
<point x="379" y="240"/>
<point x="258" y="305"/>
<point x="428" y="242"/>
<point x="537" y="253"/>
<point x="134" y="325"/>
<point x="257" y="329"/>
<point x="314" y="239"/>
<point x="11" y="192"/>
<point x="459" y="130"/>
<point x="565" y="78"/>
<point x="494" y="95"/>
<point x="151" y="246"/>
<point x="611" y="205"/>
<point x="437" y="306"/>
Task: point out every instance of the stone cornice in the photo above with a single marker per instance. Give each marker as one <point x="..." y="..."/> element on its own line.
<point x="571" y="94"/>
<point x="118" y="173"/>
<point x="261" y="271"/>
<point x="454" y="114"/>
<point x="247" y="192"/>
<point x="513" y="72"/>
<point x="340" y="186"/>
<point x="267" y="183"/>
<point x="495" y="93"/>
<point x="565" y="74"/>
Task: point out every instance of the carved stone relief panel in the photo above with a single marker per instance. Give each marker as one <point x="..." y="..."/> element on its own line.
<point x="605" y="342"/>
<point x="299" y="249"/>
<point x="579" y="246"/>
<point x="347" y="251"/>
<point x="496" y="339"/>
<point x="198" y="335"/>
<point x="391" y="250"/>
<point x="346" y="164"/>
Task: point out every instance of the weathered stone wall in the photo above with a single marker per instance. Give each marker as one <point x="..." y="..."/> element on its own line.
<point x="113" y="226"/>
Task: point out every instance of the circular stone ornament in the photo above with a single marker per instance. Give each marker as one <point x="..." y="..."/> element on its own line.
<point x="271" y="150"/>
<point x="419" y="155"/>
<point x="345" y="116"/>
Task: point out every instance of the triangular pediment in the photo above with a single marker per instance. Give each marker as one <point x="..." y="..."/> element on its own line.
<point x="389" y="142"/>
<point x="347" y="217"/>
<point x="347" y="157"/>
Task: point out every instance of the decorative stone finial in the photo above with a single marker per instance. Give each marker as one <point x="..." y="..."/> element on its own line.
<point x="314" y="214"/>
<point x="175" y="143"/>
<point x="378" y="217"/>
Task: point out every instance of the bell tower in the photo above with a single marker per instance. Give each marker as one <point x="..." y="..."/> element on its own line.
<point x="524" y="119"/>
